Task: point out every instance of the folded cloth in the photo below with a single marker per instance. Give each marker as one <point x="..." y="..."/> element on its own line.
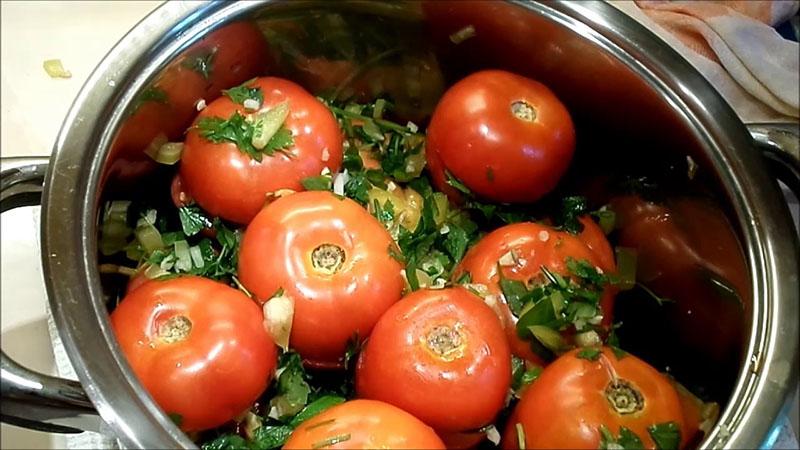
<point x="733" y="44"/>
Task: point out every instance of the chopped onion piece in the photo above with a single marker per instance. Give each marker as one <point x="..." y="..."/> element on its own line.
<point x="154" y="271"/>
<point x="148" y="236"/>
<point x="201" y="104"/>
<point x="251" y="423"/>
<point x="278" y="317"/>
<point x="587" y="338"/>
<point x="251" y="104"/>
<point x="463" y="34"/>
<point x="339" y="181"/>
<point x="268" y="123"/>
<point x="508" y="259"/>
<point x="184" y="262"/>
<point x="169" y="153"/>
<point x="155" y="145"/>
<point x="412" y="127"/>
<point x="493" y="435"/>
<point x="197" y="256"/>
<point x="56" y="69"/>
<point x="118" y="210"/>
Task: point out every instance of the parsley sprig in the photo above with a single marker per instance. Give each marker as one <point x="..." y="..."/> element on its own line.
<point x="555" y="302"/>
<point x="241" y="131"/>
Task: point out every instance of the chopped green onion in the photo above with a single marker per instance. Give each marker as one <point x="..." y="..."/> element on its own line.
<point x="154" y="271"/>
<point x="331" y="441"/>
<point x="118" y="210"/>
<point x="626" y="267"/>
<point x="607" y="219"/>
<point x="147" y="235"/>
<point x="56" y="69"/>
<point x="268" y="123"/>
<point x="372" y="130"/>
<point x="184" y="262"/>
<point x="377" y="110"/>
<point x="549" y="337"/>
<point x="197" y="256"/>
<point x="520" y="436"/>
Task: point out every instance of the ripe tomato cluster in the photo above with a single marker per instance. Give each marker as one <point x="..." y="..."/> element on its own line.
<point x="323" y="253"/>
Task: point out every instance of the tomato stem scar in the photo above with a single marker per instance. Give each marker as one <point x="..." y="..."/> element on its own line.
<point x="174" y="329"/>
<point x="624" y="397"/>
<point x="328" y="258"/>
<point x="523" y="110"/>
<point x="446" y="342"/>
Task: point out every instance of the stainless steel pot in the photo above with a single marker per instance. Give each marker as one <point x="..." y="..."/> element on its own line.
<point x="603" y="64"/>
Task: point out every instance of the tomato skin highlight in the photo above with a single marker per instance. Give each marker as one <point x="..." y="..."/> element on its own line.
<point x="402" y="365"/>
<point x="364" y="424"/>
<point x="228" y="183"/>
<point x="221" y="366"/>
<point x="536" y="245"/>
<point x="506" y="137"/>
<point x="277" y="252"/>
<point x="567" y="404"/>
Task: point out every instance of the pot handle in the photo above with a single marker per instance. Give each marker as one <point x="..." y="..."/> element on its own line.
<point x="29" y="399"/>
<point x="780" y="145"/>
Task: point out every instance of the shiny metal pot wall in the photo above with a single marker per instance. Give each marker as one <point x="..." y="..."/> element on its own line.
<point x="616" y="78"/>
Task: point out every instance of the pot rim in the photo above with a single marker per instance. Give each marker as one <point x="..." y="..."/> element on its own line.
<point x="71" y="197"/>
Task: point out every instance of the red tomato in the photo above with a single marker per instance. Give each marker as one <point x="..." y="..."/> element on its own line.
<point x="533" y="246"/>
<point x="226" y="182"/>
<point x="231" y="55"/>
<point x="199" y="347"/>
<point x="440" y="355"/>
<point x="364" y="424"/>
<point x="506" y="137"/>
<point x="332" y="258"/>
<point x="566" y="406"/>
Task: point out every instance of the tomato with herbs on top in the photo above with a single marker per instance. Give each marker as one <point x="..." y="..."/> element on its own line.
<point x="248" y="145"/>
<point x="364" y="424"/>
<point x="519" y="251"/>
<point x="593" y="395"/>
<point x="332" y="258"/>
<point x="441" y="355"/>
<point x="505" y="137"/>
<point x="199" y="347"/>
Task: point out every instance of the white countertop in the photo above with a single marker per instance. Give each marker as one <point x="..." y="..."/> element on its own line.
<point x="33" y="106"/>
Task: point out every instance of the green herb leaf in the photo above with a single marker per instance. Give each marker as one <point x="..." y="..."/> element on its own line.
<point x="589" y="353"/>
<point x="200" y="63"/>
<point x="318" y="183"/>
<point x="293" y="389"/>
<point x="270" y="436"/>
<point x="513" y="291"/>
<point x="572" y="208"/>
<point x="456" y="242"/>
<point x="192" y="220"/>
<point x="242" y="92"/>
<point x="317" y="406"/>
<point x="239" y="131"/>
<point x="667" y="436"/>
<point x="151" y="94"/>
<point x="227" y="442"/>
<point x="627" y="440"/>
<point x="456" y="183"/>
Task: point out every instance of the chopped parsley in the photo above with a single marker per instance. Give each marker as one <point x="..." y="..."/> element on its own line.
<point x="201" y="63"/>
<point x="667" y="436"/>
<point x="242" y="92"/>
<point x="239" y="130"/>
<point x="627" y="439"/>
<point x="589" y="353"/>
